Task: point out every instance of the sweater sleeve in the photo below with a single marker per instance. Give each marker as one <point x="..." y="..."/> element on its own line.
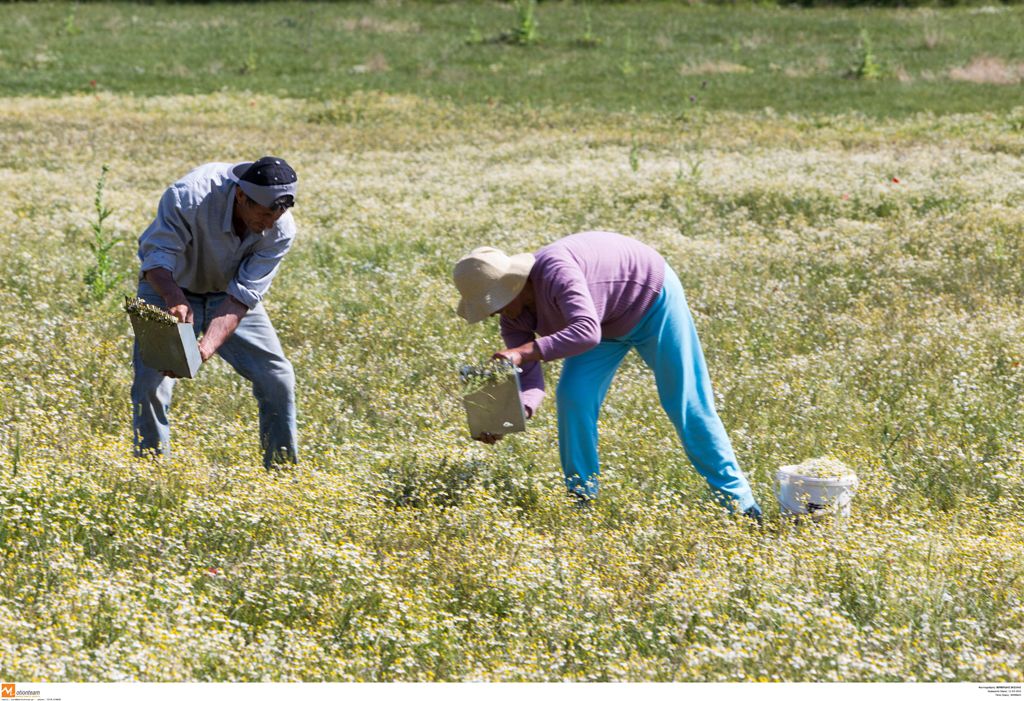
<point x="567" y="290"/>
<point x="531" y="382"/>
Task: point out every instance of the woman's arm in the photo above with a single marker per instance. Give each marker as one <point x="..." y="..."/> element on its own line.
<point x="567" y="291"/>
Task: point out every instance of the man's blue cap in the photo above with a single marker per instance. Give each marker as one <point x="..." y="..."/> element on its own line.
<point x="269" y="181"/>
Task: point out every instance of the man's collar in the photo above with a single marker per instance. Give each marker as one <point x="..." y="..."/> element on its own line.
<point x="227" y="226"/>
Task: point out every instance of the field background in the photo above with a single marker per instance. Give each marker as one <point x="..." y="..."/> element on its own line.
<point x="850" y="240"/>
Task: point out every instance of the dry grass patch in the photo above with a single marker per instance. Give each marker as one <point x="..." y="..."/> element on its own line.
<point x="990" y="70"/>
<point x="822" y="64"/>
<point x="376" y="25"/>
<point x="712" y="67"/>
<point x="798" y="72"/>
<point x="933" y="37"/>
<point x="377" y="63"/>
<point x="903" y="75"/>
<point x="754" y="41"/>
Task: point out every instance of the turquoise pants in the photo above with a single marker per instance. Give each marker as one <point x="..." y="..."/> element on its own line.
<point x="667" y="341"/>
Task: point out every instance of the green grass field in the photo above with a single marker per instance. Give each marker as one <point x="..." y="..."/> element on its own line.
<point x="850" y="249"/>
<point x="648" y="57"/>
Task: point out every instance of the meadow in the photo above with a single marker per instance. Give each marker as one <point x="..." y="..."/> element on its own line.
<point x="853" y="266"/>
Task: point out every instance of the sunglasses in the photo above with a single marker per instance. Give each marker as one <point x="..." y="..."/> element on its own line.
<point x="281" y="204"/>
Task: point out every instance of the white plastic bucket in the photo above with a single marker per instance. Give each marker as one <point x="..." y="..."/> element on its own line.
<point x="801" y="493"/>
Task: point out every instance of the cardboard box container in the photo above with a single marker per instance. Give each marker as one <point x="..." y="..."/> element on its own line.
<point x="167" y="348"/>
<point x="495" y="407"/>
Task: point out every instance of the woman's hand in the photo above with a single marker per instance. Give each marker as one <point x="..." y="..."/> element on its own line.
<point x="517" y="356"/>
<point x="509" y="355"/>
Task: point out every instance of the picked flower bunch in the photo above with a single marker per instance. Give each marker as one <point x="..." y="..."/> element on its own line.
<point x="139" y="308"/>
<point x="824" y="468"/>
<point x="493" y="372"/>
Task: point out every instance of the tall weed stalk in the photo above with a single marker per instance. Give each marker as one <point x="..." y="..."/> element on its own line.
<point x="526" y="28"/>
<point x="868" y="68"/>
<point x="101" y="277"/>
<point x="16" y="454"/>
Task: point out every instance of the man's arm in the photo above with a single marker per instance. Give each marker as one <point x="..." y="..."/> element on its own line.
<point x="246" y="290"/>
<point x="163" y="282"/>
<point x="224" y="322"/>
<point x="258" y="269"/>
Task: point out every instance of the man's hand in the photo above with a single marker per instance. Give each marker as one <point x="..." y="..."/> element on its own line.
<point x="224" y="322"/>
<point x="489" y="438"/>
<point x="177" y="305"/>
<point x="205" y="351"/>
<point x="181" y="312"/>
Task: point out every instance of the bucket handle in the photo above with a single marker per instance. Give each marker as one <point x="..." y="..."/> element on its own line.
<point x="840" y="503"/>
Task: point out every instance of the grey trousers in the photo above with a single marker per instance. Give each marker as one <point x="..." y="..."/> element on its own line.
<point x="253" y="350"/>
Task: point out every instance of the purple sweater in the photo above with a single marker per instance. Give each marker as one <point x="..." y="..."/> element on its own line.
<point x="587" y="287"/>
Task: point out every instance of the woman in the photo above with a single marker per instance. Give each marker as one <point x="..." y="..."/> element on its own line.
<point x="589" y="298"/>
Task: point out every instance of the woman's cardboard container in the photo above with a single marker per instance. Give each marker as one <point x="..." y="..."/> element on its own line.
<point x="816" y="488"/>
<point x="491" y="399"/>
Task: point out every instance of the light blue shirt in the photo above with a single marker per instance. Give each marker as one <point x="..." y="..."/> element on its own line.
<point x="192" y="237"/>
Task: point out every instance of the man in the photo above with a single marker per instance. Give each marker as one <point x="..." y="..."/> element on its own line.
<point x="590" y="298"/>
<point x="209" y="257"/>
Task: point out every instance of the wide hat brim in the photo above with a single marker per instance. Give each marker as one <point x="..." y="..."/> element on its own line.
<point x="500" y="292"/>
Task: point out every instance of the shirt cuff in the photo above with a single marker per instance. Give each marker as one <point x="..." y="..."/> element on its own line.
<point x="544" y="347"/>
<point x="244" y="295"/>
<point x="531" y="399"/>
<point x="158" y="259"/>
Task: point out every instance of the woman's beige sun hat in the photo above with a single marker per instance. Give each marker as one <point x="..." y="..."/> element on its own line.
<point x="488" y="279"/>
